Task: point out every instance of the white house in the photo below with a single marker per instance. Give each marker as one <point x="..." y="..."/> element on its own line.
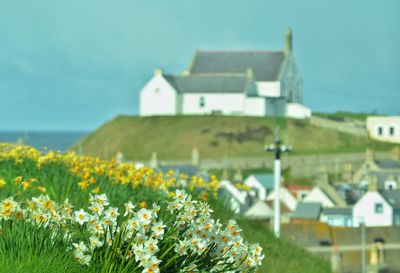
<point x="317" y="195"/>
<point x="235" y="199"/>
<point x="259" y="211"/>
<point x="262" y="183"/>
<point x="373" y="209"/>
<point x="251" y="83"/>
<point x="337" y="216"/>
<point x="285" y="197"/>
<point x="384" y="128"/>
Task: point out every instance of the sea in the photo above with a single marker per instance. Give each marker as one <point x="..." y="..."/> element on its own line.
<point x="59" y="141"/>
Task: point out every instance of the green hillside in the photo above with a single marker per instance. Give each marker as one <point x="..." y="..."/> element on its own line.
<point x="174" y="137"/>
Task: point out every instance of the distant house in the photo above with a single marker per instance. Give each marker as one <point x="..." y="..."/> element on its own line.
<point x="260" y="210"/>
<point x="384" y="128"/>
<point x="306" y="212"/>
<point x="317" y="195"/>
<point x="262" y="183"/>
<point x="250" y="83"/>
<point x="236" y="200"/>
<point x="386" y="173"/>
<point x="377" y="208"/>
<point x="286" y="197"/>
<point x="338" y="216"/>
<point x="299" y="191"/>
<point x="350" y="192"/>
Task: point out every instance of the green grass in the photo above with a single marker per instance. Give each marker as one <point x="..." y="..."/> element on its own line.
<point x="216" y="137"/>
<point x="343" y="115"/>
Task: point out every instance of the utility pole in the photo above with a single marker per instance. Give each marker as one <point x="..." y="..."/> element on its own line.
<point x="277" y="148"/>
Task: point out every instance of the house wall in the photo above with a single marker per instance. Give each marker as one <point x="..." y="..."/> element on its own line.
<point x="365" y="209"/>
<point x="269" y="89"/>
<point x="285" y="197"/>
<point x="158" y="97"/>
<point x="252" y="182"/>
<point x="254" y="107"/>
<point x="296" y="110"/>
<point x="337" y="220"/>
<point x="316" y="195"/>
<point x="385" y="123"/>
<point x="226" y="104"/>
<point x="275" y="107"/>
<point x="291" y="82"/>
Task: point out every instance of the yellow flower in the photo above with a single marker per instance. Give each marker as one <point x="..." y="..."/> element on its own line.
<point x="96" y="190"/>
<point x="83" y="184"/>
<point x="41" y="188"/>
<point x="25" y="185"/>
<point x="18" y="179"/>
<point x="204" y="196"/>
<point x="2" y="182"/>
<point x="143" y="204"/>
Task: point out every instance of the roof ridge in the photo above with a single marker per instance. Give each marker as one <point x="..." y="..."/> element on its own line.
<point x="241" y="51"/>
<point x="209" y="75"/>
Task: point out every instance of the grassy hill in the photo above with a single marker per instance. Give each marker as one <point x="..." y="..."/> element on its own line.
<point x="174" y="137"/>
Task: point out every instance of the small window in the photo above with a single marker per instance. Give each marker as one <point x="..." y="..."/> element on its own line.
<point x="157" y="90"/>
<point x="378" y="208"/>
<point x="380" y="131"/>
<point x="391" y="131"/>
<point x="202" y="102"/>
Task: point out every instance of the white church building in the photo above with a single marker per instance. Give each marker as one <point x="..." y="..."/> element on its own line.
<point x="248" y="83"/>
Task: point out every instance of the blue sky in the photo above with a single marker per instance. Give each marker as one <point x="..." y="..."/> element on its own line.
<point x="72" y="65"/>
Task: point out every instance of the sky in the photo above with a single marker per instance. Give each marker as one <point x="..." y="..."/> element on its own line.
<point x="73" y="65"/>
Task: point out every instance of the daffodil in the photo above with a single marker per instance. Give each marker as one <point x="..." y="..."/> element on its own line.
<point x="81" y="216"/>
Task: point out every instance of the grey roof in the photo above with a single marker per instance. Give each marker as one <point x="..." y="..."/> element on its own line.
<point x="307" y="210"/>
<point x="382" y="177"/>
<point x="388" y="164"/>
<point x="338" y="211"/>
<point x="266" y="179"/>
<point x="266" y="65"/>
<point x="393" y="198"/>
<point x="237" y="83"/>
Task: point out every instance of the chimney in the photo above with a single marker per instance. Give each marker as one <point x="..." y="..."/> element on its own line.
<point x="373" y="184"/>
<point x="396" y="153"/>
<point x="158" y="72"/>
<point x="249" y="73"/>
<point x="369" y="155"/>
<point x="289" y="42"/>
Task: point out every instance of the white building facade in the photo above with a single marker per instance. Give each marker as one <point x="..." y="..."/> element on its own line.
<point x="384" y="128"/>
<point x="373" y="210"/>
<point x="250" y="83"/>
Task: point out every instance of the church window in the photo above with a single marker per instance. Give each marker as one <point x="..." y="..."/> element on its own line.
<point x="202" y="102"/>
<point x="380" y="131"/>
<point x="391" y="131"/>
<point x="157" y="90"/>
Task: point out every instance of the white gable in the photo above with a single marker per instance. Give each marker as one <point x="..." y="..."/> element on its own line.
<point x="285" y="197"/>
<point x="158" y="97"/>
<point x="373" y="209"/>
<point x="317" y="195"/>
<point x="260" y="210"/>
<point x="252" y="182"/>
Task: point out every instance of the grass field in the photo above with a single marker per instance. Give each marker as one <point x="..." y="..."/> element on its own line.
<point x="37" y="236"/>
<point x="216" y="137"/>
